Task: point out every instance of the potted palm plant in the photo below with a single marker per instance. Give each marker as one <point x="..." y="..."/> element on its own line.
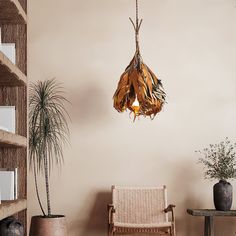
<point x="219" y="161"/>
<point x="48" y="132"/>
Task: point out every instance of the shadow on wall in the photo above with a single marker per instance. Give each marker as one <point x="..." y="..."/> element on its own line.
<point x="184" y="183"/>
<point x="193" y="226"/>
<point x="89" y="105"/>
<point x="97" y="223"/>
<point x="184" y="187"/>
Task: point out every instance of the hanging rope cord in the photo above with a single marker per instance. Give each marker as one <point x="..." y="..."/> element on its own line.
<point x="137" y="26"/>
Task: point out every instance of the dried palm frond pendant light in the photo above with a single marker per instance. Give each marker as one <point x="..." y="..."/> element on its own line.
<point x="139" y="89"/>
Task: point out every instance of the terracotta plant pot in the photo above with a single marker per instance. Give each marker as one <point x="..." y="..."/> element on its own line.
<point x="45" y="226"/>
<point x="223" y="195"/>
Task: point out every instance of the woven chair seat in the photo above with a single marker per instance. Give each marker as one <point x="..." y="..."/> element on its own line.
<point x="153" y="225"/>
<point x="158" y="231"/>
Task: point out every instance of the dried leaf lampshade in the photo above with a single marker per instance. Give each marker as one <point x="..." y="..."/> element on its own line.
<point x="139" y="89"/>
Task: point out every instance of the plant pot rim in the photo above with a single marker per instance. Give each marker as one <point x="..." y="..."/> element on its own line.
<point x="49" y="217"/>
<point x="224" y="181"/>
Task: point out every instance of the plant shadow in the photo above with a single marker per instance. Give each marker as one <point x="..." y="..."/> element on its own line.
<point x="89" y="105"/>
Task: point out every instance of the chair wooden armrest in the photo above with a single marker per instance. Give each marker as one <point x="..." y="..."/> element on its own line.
<point x="170" y="208"/>
<point x="111" y="210"/>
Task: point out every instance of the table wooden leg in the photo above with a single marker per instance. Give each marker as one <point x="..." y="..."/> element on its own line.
<point x="209" y="227"/>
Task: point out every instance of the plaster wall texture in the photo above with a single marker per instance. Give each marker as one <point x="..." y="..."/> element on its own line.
<point x="86" y="45"/>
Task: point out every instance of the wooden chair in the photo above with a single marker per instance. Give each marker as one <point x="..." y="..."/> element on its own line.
<point x="140" y="210"/>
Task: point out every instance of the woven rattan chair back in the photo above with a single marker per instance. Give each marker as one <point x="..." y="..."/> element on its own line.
<point x="139" y="205"/>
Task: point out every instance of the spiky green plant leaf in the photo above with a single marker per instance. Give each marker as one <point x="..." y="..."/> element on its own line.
<point x="48" y="128"/>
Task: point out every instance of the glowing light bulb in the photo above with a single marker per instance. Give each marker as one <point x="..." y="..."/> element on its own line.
<point x="136" y="106"/>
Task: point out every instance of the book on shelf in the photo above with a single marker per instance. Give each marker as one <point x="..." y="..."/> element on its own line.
<point x="8" y="118"/>
<point x="8" y="184"/>
<point x="8" y="49"/>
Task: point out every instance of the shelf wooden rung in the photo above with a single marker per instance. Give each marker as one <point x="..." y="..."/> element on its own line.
<point x="12" y="12"/>
<point x="9" y="208"/>
<point x="10" y="74"/>
<point x="8" y="139"/>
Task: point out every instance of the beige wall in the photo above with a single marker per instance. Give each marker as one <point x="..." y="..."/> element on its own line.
<point x="191" y="45"/>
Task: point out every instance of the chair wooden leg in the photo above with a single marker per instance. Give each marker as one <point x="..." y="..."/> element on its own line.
<point x="174" y="231"/>
<point x="112" y="233"/>
<point x="110" y="230"/>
